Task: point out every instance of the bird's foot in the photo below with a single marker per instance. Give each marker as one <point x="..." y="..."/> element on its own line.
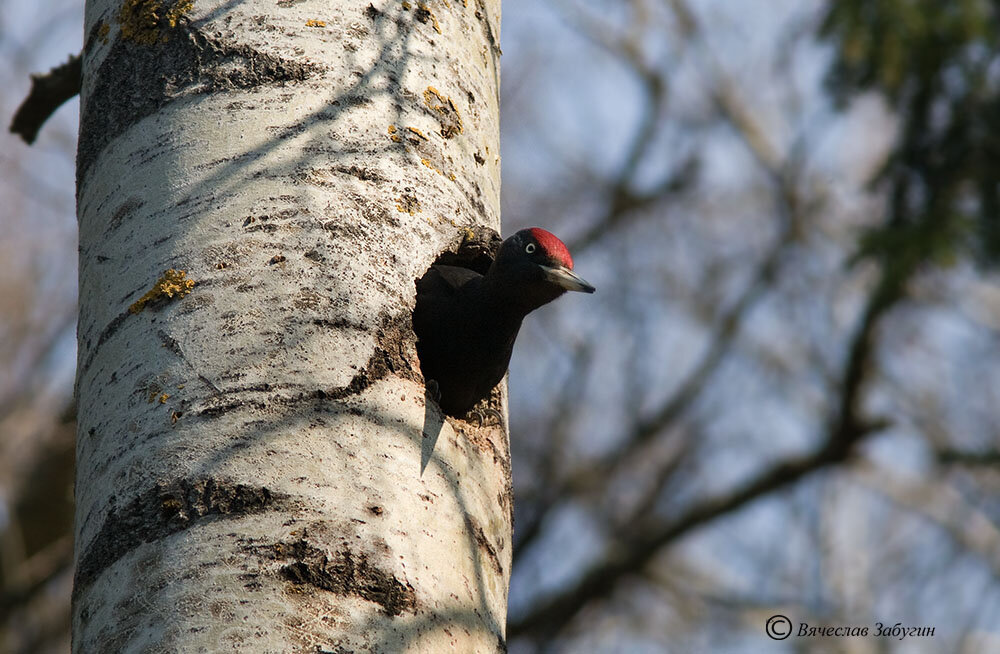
<point x="482" y="414"/>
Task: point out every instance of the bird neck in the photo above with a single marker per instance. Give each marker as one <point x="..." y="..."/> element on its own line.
<point x="510" y="298"/>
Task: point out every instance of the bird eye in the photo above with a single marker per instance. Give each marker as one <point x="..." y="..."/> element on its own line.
<point x="529" y="248"/>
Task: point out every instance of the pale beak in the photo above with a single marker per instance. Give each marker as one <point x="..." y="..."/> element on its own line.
<point x="566" y="278"/>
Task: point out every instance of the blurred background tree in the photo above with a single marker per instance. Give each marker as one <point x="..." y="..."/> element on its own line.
<point x="37" y="337"/>
<point x="785" y="396"/>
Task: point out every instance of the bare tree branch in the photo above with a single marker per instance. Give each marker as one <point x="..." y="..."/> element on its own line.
<point x="633" y="553"/>
<point x="624" y="201"/>
<point x="48" y="92"/>
<point x="986" y="458"/>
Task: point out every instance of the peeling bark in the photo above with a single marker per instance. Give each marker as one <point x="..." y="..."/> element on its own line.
<point x="258" y="467"/>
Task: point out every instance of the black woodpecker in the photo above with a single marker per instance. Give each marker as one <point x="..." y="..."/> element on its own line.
<point x="466" y="322"/>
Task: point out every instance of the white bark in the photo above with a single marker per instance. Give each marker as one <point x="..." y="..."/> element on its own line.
<point x="249" y="454"/>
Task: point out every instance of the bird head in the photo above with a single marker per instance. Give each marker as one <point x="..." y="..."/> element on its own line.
<point x="535" y="266"/>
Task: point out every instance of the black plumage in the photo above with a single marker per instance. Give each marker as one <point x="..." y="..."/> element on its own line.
<point x="466" y="323"/>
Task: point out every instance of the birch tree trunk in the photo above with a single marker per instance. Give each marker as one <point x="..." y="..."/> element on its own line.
<point x="259" y="185"/>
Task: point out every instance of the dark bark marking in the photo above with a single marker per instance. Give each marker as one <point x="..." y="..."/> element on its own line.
<point x="373" y="212"/>
<point x="444" y="111"/>
<point x="484" y="21"/>
<point x="347" y="101"/>
<point x="430" y="153"/>
<point x="475" y="198"/>
<point x="336" y="323"/>
<point x="170" y="343"/>
<point x="364" y="174"/>
<point x="136" y="80"/>
<point x="193" y="303"/>
<point x="106" y="333"/>
<point x="99" y="32"/>
<point x="126" y="209"/>
<point x="222" y="409"/>
<point x="267" y="222"/>
<point x="321" y="176"/>
<point x="394" y="343"/>
<point x="345" y="573"/>
<point x="394" y="339"/>
<point x="165" y="509"/>
<point x="485" y="545"/>
<point x="389" y="358"/>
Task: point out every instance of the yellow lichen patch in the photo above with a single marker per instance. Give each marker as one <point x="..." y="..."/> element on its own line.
<point x="406" y="5"/>
<point x="171" y="284"/>
<point x="425" y="14"/>
<point x="396" y="138"/>
<point x="447" y="113"/>
<point x="417" y="132"/>
<point x="427" y="162"/>
<point x="163" y="398"/>
<point x="313" y="22"/>
<point x="408" y="204"/>
<point x="103" y="31"/>
<point x="146" y="21"/>
<point x="430" y="94"/>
